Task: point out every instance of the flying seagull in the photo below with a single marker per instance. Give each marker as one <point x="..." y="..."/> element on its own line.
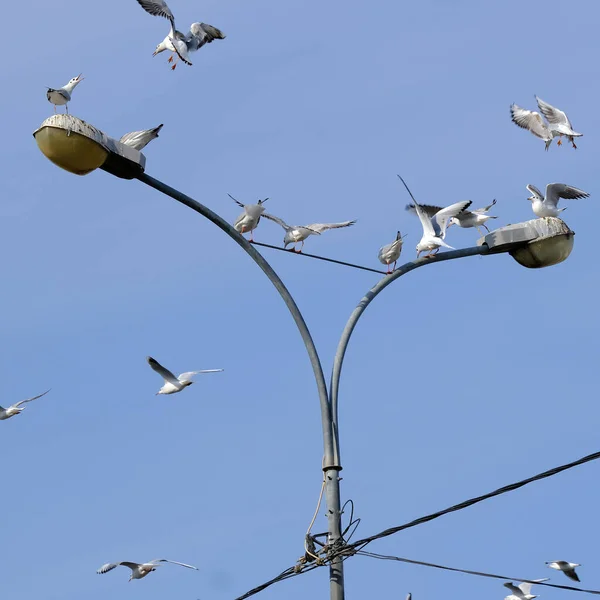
<point x="175" y="384"/>
<point x="298" y="233"/>
<point x="62" y="96"/>
<point x="548" y="206"/>
<point x="140" y="139"/>
<point x="248" y="221"/>
<point x="522" y="591"/>
<point x="198" y="35"/>
<point x="15" y="409"/>
<point x="557" y="125"/>
<point x="568" y="568"/>
<point x="434" y="227"/>
<point x="140" y="570"/>
<point x="390" y="253"/>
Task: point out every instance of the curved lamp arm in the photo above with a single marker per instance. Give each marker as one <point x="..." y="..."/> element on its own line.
<point x="368" y="298"/>
<point x="329" y="440"/>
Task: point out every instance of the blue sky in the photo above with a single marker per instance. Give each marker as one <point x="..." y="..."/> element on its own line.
<point x="461" y="377"/>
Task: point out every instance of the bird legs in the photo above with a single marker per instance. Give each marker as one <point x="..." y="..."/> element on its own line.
<point x="388" y="272"/>
<point x="173" y="59"/>
<point x="294" y="248"/>
<point x="559" y="142"/>
<point x="572" y="140"/>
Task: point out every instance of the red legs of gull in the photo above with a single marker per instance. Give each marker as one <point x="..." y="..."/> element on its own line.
<point x="559" y="143"/>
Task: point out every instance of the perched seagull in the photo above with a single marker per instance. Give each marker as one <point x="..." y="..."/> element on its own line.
<point x="15" y="409"/>
<point x="248" y="221"/>
<point x="557" y="126"/>
<point x="62" y="96"/>
<point x="434" y="227"/>
<point x="409" y="597"/>
<point x="140" y="139"/>
<point x="548" y="206"/>
<point x="174" y="384"/>
<point x="522" y="591"/>
<point x="390" y="253"/>
<point x="198" y="35"/>
<point x="298" y="233"/>
<point x="140" y="570"/>
<point x="568" y="568"/>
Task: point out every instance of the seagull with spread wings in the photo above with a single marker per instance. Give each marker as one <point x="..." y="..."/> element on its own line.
<point x="140" y="570"/>
<point x="548" y="206"/>
<point x="298" y="233"/>
<point x="140" y="139"/>
<point x="15" y="409"/>
<point x="178" y="43"/>
<point x="175" y="384"/>
<point x="434" y="226"/>
<point x="522" y="591"/>
<point x="248" y="221"/>
<point x="557" y="125"/>
<point x="568" y="568"/>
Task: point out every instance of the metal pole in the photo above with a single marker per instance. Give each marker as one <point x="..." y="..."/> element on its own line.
<point x="331" y="463"/>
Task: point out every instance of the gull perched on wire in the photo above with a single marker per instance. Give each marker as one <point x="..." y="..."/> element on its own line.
<point x="15" y="409"/>
<point x="298" y="233"/>
<point x="140" y="570"/>
<point x="522" y="591"/>
<point x="568" y="568"/>
<point x="175" y="384"/>
<point x="62" y="96"/>
<point x="548" y="206"/>
<point x="248" y="221"/>
<point x="467" y="218"/>
<point x="390" y="253"/>
<point x="198" y="35"/>
<point x="557" y="125"/>
<point x="434" y="227"/>
<point x="140" y="139"/>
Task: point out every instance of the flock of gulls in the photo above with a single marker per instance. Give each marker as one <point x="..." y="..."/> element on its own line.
<point x="547" y="124"/>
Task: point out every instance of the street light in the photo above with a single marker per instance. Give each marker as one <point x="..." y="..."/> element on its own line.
<point x="80" y="148"/>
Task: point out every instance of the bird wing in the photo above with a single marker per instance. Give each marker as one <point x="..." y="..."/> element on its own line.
<point x="203" y="33"/>
<point x="441" y="218"/>
<point x="529" y="119"/>
<point x="276" y="220"/>
<point x="173" y="562"/>
<point x="570" y="573"/>
<point x="535" y="192"/>
<point x="158" y="8"/>
<point x="321" y="227"/>
<point x="110" y="566"/>
<point x="30" y="399"/>
<point x="554" y="191"/>
<point x="481" y="211"/>
<point x="525" y="587"/>
<point x="513" y="588"/>
<point x="164" y="373"/>
<point x="140" y="139"/>
<point x="553" y="115"/>
<point x="189" y="374"/>
<point x="62" y="92"/>
<point x="236" y="201"/>
<point x="428" y="209"/>
<point x="181" y="48"/>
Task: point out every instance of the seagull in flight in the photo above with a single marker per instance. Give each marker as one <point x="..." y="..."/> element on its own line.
<point x="568" y="568"/>
<point x="15" y="409"/>
<point x="298" y="233"/>
<point x="62" y="96"/>
<point x="434" y="227"/>
<point x="557" y="125"/>
<point x="248" y="221"/>
<point x="140" y="570"/>
<point x="178" y="43"/>
<point x="175" y="384"/>
<point x="390" y="253"/>
<point x="521" y="591"/>
<point x="140" y="139"/>
<point x="548" y="206"/>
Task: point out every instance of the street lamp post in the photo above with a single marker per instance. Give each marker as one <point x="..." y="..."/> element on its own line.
<point x="81" y="148"/>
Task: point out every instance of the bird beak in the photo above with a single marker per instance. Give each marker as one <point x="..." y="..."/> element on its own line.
<point x="80" y="78"/>
<point x="155" y="53"/>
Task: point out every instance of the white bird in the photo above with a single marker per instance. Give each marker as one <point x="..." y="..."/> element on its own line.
<point x="140" y="139"/>
<point x="198" y="35"/>
<point x="568" y="568"/>
<point x="15" y="409"/>
<point x="62" y="96"/>
<point x="390" y="253"/>
<point x="175" y="384"/>
<point x="434" y="227"/>
<point x="522" y="591"/>
<point x="248" y="221"/>
<point x="409" y="596"/>
<point x="557" y="125"/>
<point x="140" y="570"/>
<point x="548" y="206"/>
<point x="298" y="233"/>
